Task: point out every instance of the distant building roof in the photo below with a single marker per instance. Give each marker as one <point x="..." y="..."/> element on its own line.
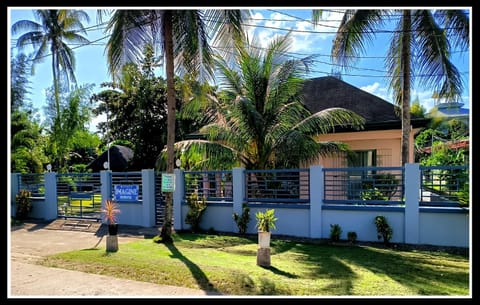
<point x="452" y="110"/>
<point x="120" y="156"/>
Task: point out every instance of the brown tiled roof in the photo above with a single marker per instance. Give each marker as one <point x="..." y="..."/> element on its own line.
<point x="327" y="92"/>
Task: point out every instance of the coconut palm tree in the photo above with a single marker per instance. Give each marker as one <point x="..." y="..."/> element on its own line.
<point x="260" y="121"/>
<point x="183" y="38"/>
<point x="420" y="45"/>
<point x="52" y="33"/>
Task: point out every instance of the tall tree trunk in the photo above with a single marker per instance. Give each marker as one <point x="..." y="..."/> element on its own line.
<point x="166" y="233"/>
<point x="406" y="53"/>
<point x="57" y="121"/>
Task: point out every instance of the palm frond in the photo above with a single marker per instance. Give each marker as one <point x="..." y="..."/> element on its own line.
<point x="357" y="28"/>
<point x="457" y="25"/>
<point x="432" y="57"/>
<point x="326" y="120"/>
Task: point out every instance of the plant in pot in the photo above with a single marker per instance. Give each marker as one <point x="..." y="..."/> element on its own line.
<point x="110" y="212"/>
<point x="265" y="222"/>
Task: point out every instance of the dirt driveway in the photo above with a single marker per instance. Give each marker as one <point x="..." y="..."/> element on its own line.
<point x="31" y="241"/>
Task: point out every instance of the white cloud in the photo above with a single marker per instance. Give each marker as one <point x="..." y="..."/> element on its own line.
<point x="371" y="88"/>
<point x="375" y="89"/>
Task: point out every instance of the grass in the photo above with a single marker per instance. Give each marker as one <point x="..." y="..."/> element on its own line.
<point x="227" y="265"/>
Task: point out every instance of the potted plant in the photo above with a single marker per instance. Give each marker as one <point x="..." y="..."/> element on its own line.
<point x="110" y="212"/>
<point x="265" y="222"/>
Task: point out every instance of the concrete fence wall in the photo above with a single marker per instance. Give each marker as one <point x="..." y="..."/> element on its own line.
<point x="411" y="224"/>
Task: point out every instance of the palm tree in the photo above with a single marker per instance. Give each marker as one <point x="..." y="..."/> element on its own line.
<point x="261" y="120"/>
<point x="53" y="32"/>
<point x="420" y="45"/>
<point x="183" y="39"/>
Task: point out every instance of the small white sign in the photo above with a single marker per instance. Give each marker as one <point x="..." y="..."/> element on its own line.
<point x="168" y="183"/>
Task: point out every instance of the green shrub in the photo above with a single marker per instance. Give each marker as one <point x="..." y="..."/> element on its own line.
<point x="242" y="220"/>
<point x="196" y="207"/>
<point x="383" y="229"/>
<point x="352" y="236"/>
<point x="335" y="232"/>
<point x="23" y="203"/>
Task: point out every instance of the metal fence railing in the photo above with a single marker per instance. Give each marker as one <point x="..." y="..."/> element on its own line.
<point x="444" y="186"/>
<point x="364" y="185"/>
<point x="214" y="186"/>
<point x="79" y="195"/>
<point x="34" y="183"/>
<point x="277" y="186"/>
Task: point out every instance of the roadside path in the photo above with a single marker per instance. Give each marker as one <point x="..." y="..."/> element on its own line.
<point x="31" y="241"/>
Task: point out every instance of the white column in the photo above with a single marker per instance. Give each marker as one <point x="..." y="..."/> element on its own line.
<point x="412" y="198"/>
<point x="106" y="186"/>
<point x="238" y="182"/>
<point x="316" y="200"/>
<point x="178" y="195"/>
<point x="148" y="197"/>
<point x="51" y="202"/>
<point x="13" y="192"/>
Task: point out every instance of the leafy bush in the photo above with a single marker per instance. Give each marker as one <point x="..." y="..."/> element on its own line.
<point x="242" y="220"/>
<point x="383" y="229"/>
<point x="352" y="236"/>
<point x="335" y="232"/>
<point x="23" y="203"/>
<point x="196" y="207"/>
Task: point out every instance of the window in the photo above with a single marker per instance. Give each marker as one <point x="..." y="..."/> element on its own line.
<point x="361" y="158"/>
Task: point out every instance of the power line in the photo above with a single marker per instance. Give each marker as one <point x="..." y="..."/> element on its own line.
<point x="96" y="42"/>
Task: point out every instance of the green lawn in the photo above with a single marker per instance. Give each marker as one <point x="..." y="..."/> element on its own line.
<point x="227" y="264"/>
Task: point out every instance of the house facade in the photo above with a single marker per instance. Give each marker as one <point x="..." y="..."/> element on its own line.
<point x="379" y="142"/>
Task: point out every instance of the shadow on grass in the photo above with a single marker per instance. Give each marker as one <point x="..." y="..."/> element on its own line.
<point x="426" y="273"/>
<point x="280" y="272"/>
<point x="197" y="273"/>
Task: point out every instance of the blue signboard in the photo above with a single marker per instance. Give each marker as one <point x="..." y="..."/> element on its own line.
<point x="126" y="192"/>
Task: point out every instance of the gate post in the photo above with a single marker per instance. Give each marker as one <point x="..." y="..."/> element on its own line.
<point x="106" y="188"/>
<point x="178" y="195"/>
<point x="51" y="201"/>
<point x="148" y="197"/>
<point x="13" y="192"/>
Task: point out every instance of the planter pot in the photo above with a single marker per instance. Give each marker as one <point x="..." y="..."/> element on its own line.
<point x="264" y="239"/>
<point x="113" y="229"/>
<point x="112" y="243"/>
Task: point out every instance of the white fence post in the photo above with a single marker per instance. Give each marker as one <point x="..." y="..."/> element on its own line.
<point x="316" y="200"/>
<point x="148" y="197"/>
<point x="106" y="186"/>
<point x="13" y="191"/>
<point x="238" y="182"/>
<point x="51" y="202"/>
<point x="178" y="198"/>
<point x="412" y="198"/>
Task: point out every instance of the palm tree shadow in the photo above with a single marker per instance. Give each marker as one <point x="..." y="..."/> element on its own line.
<point x="280" y="272"/>
<point x="198" y="274"/>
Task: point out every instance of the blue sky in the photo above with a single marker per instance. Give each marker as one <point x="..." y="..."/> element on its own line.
<point x="266" y="23"/>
